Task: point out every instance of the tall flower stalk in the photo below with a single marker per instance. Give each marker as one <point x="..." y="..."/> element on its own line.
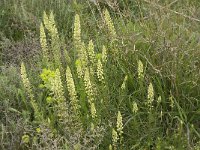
<point x="110" y="24"/>
<point x="50" y="25"/>
<point x="72" y="92"/>
<point x="100" y="72"/>
<point x="58" y="95"/>
<point x="119" y="125"/>
<point x="90" y="93"/>
<point x="29" y="91"/>
<point x="77" y="32"/>
<point x="150" y="96"/>
<point x="91" y="53"/>
<point x="43" y="43"/>
<point x="140" y="70"/>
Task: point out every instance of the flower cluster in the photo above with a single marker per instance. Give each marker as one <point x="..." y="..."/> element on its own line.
<point x="104" y="54"/>
<point x="82" y="61"/>
<point x="100" y="71"/>
<point x="46" y="21"/>
<point x="123" y="86"/>
<point x="79" y="69"/>
<point x="150" y="95"/>
<point x="109" y="24"/>
<point x="93" y="110"/>
<point x="77" y="32"/>
<point x="119" y="124"/>
<point x="82" y="55"/>
<point x="134" y="107"/>
<point x="89" y="92"/>
<point x="50" y="25"/>
<point x="47" y="75"/>
<point x="43" y="43"/>
<point x="140" y="70"/>
<point x="91" y="53"/>
<point x="72" y="91"/>
<point x="26" y="82"/>
<point x="27" y="86"/>
<point x="115" y="137"/>
<point x="58" y="95"/>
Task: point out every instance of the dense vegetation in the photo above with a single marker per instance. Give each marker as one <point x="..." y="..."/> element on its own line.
<point x="118" y="74"/>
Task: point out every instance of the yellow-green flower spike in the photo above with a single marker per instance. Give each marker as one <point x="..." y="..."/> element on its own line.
<point x="123" y="86"/>
<point x="83" y="54"/>
<point x="52" y="24"/>
<point x="77" y="32"/>
<point x="100" y="72"/>
<point x="91" y="53"/>
<point x="159" y="99"/>
<point x="110" y="147"/>
<point x="46" y="21"/>
<point x="109" y="23"/>
<point x="55" y="41"/>
<point x="88" y="87"/>
<point x="90" y="93"/>
<point x="27" y="86"/>
<point x="57" y="87"/>
<point x="115" y="137"/>
<point x="25" y="81"/>
<point x="79" y="70"/>
<point x="93" y="110"/>
<point x="119" y="123"/>
<point x="43" y="43"/>
<point x="134" y="107"/>
<point x="140" y="70"/>
<point x="72" y="91"/>
<point x="58" y="93"/>
<point x="92" y="127"/>
<point x="150" y="95"/>
<point x="82" y="61"/>
<point x="92" y="72"/>
<point x="104" y="54"/>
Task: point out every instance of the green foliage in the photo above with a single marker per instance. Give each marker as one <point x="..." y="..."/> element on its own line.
<point x="47" y="76"/>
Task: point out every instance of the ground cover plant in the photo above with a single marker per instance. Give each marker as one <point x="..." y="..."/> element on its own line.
<point x="100" y="75"/>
